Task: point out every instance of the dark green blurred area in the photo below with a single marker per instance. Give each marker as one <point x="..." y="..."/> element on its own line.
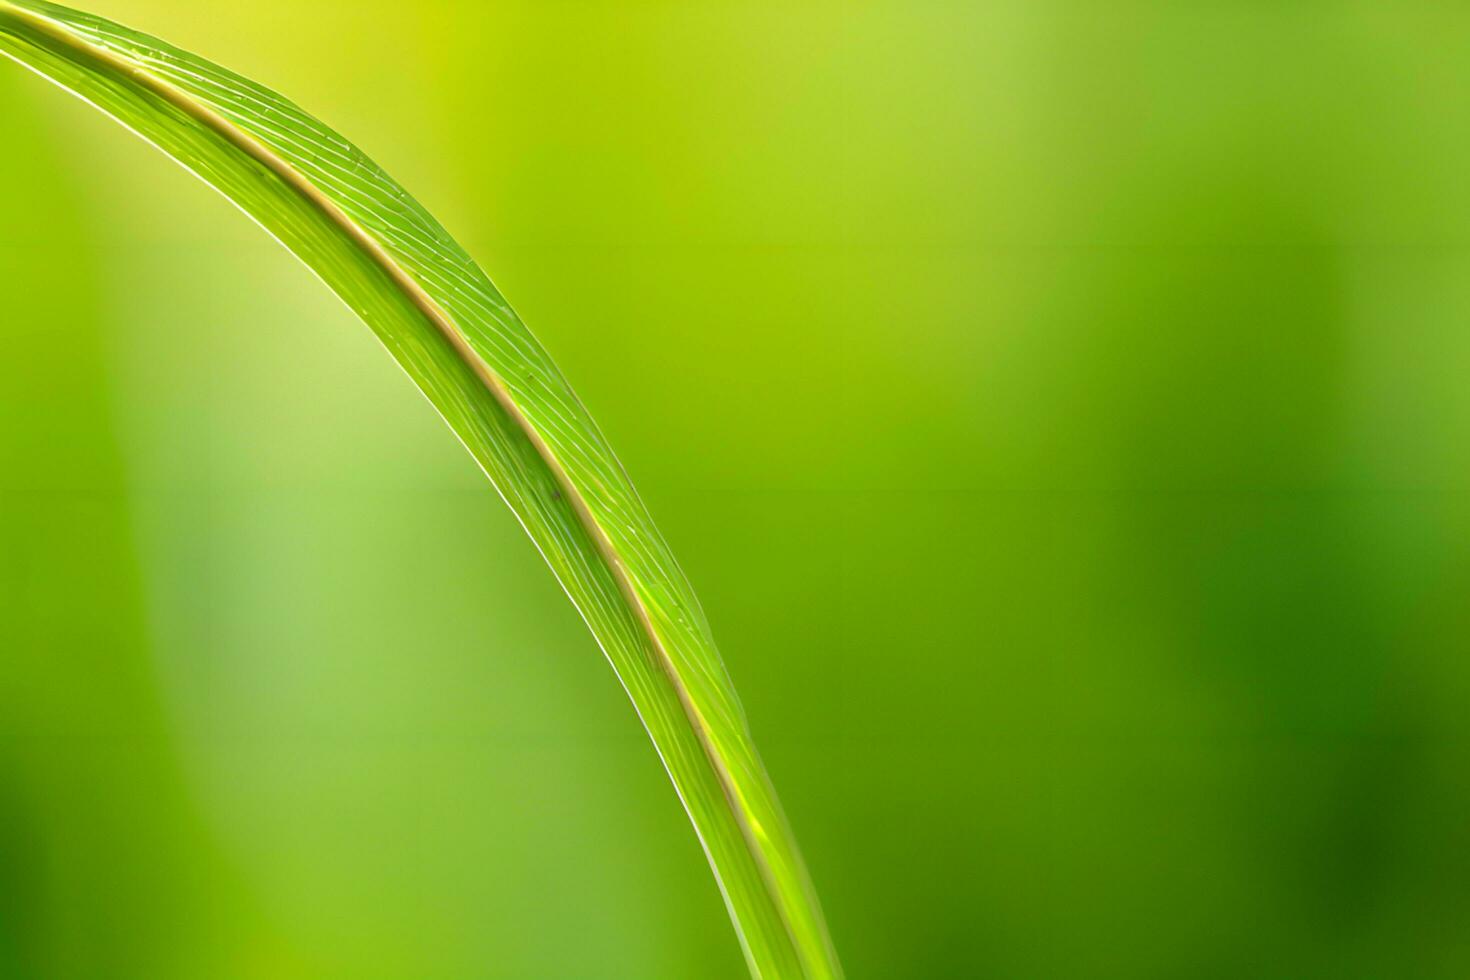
<point x="1061" y="408"/>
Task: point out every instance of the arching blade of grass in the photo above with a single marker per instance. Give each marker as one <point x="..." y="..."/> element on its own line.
<point x="458" y="339"/>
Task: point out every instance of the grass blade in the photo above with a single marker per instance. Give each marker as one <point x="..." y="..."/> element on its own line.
<point x="451" y="330"/>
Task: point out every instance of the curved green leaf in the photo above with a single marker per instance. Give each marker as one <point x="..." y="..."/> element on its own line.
<point x="458" y="339"/>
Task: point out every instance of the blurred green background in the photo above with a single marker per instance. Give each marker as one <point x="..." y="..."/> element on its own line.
<point x="1061" y="408"/>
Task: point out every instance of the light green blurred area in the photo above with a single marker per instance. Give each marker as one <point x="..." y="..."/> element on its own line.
<point x="1060" y="407"/>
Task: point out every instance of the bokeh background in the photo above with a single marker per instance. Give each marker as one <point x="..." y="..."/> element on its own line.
<point x="1062" y="408"/>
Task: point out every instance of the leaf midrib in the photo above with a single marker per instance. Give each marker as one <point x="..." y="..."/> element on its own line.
<point x="444" y="323"/>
